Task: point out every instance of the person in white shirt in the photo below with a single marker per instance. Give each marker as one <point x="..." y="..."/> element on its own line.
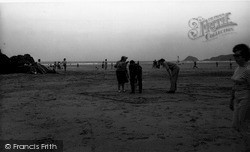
<point x="64" y="62"/>
<point x="173" y="71"/>
<point x="240" y="98"/>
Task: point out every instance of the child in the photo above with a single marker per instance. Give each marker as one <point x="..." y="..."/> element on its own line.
<point x="135" y="72"/>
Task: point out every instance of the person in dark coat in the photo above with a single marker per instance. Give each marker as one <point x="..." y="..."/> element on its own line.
<point x="135" y="73"/>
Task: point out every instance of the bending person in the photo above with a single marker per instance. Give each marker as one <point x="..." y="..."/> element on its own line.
<point x="173" y="71"/>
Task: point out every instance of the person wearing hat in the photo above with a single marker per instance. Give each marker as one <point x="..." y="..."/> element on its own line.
<point x="121" y="73"/>
<point x="173" y="71"/>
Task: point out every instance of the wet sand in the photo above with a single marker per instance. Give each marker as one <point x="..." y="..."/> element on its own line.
<point x="83" y="108"/>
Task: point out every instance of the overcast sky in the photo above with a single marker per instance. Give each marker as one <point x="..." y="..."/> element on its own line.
<point x="93" y="31"/>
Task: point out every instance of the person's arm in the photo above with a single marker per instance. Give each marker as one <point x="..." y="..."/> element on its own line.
<point x="168" y="69"/>
<point x="169" y="73"/>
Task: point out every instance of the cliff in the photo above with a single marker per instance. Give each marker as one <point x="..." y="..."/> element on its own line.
<point x="191" y="58"/>
<point x="221" y="58"/>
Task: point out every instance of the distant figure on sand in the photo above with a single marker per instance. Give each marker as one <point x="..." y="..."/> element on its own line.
<point x="105" y="64"/>
<point x="121" y="73"/>
<point x="112" y="65"/>
<point x="55" y="65"/>
<point x="195" y="65"/>
<point x="154" y="64"/>
<point x="58" y="65"/>
<point x="173" y="71"/>
<point x="217" y="64"/>
<point x="64" y="62"/>
<point x="230" y="64"/>
<point x="240" y="98"/>
<point x="102" y="64"/>
<point x="135" y="73"/>
<point x="178" y="60"/>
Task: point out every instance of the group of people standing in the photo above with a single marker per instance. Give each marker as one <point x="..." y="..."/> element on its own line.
<point x="105" y="64"/>
<point x="135" y="74"/>
<point x="57" y="65"/>
<point x="240" y="97"/>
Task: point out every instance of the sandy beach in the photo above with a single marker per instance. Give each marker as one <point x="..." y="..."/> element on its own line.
<point x="83" y="108"/>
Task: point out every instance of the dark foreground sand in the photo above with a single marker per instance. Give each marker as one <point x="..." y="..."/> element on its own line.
<point x="83" y="108"/>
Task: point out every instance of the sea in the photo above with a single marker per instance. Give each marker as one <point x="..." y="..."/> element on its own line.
<point x="222" y="65"/>
<point x="140" y="62"/>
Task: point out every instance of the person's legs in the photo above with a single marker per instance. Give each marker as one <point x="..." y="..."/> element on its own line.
<point x="123" y="87"/>
<point x="119" y="87"/>
<point x="235" y="122"/>
<point x="139" y="79"/>
<point x="140" y="86"/>
<point x="118" y="79"/>
<point x="240" y="123"/>
<point x="242" y="114"/>
<point x="173" y="80"/>
<point x="132" y="84"/>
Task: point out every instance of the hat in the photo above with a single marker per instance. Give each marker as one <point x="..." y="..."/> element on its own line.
<point x="161" y="60"/>
<point x="132" y="62"/>
<point x="124" y="57"/>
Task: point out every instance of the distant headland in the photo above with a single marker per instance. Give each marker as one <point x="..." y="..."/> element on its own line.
<point x="217" y="58"/>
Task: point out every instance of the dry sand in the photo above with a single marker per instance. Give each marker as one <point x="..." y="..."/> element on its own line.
<point x="83" y="108"/>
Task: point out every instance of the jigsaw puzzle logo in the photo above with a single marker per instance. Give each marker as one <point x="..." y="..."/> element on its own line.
<point x="210" y="28"/>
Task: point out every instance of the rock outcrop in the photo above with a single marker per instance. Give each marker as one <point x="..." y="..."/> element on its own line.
<point x="191" y="58"/>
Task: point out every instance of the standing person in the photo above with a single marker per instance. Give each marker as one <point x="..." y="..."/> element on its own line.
<point x="135" y="73"/>
<point x="217" y="64"/>
<point x="121" y="73"/>
<point x="111" y="65"/>
<point x="64" y="62"/>
<point x="59" y="65"/>
<point x="195" y="65"/>
<point x="154" y="64"/>
<point x="55" y="65"/>
<point x="240" y="98"/>
<point x="230" y="64"/>
<point x="102" y="64"/>
<point x="105" y="64"/>
<point x="173" y="71"/>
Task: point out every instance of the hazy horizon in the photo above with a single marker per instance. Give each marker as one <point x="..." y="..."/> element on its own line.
<point x="94" y="31"/>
